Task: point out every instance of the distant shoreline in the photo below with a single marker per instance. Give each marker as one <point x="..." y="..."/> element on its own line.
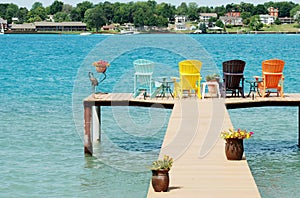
<point x="252" y="32"/>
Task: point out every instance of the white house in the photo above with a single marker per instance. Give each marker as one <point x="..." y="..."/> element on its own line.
<point x="180" y="22"/>
<point x="267" y="19"/>
<point x="206" y="16"/>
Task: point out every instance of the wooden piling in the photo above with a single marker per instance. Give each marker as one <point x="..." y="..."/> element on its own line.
<point x="97" y="133"/>
<point x="88" y="146"/>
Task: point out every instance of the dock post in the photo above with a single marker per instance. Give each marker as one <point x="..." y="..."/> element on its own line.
<point x="88" y="145"/>
<point x="96" y="124"/>
<point x="299" y="126"/>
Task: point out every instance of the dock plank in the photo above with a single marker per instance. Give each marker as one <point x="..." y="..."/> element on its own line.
<point x="212" y="175"/>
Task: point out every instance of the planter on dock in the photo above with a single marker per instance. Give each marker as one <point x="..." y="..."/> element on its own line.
<point x="234" y="146"/>
<point x="160" y="180"/>
<point x="160" y="174"/>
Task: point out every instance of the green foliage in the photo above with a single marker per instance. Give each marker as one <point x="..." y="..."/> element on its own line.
<point x="255" y="23"/>
<point x="182" y="9"/>
<point x="203" y="28"/>
<point x="212" y="77"/>
<point x="55" y="7"/>
<point x="219" y="23"/>
<point x="95" y="18"/>
<point x="61" y="16"/>
<point x="277" y="21"/>
<point x="294" y="11"/>
<point x="164" y="164"/>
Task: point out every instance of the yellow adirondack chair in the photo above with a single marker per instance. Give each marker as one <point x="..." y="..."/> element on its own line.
<point x="272" y="77"/>
<point x="189" y="78"/>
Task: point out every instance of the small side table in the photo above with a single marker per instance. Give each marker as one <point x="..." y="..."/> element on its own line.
<point x="210" y="83"/>
<point x="252" y="85"/>
<point x="165" y="86"/>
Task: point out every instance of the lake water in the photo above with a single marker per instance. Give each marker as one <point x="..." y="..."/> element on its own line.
<point x="44" y="80"/>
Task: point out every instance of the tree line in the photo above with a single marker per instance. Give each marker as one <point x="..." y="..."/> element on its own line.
<point x="141" y="13"/>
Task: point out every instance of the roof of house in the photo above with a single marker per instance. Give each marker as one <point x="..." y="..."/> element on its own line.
<point x="23" y="26"/>
<point x="208" y="14"/>
<point x="54" y="24"/>
<point x="3" y="21"/>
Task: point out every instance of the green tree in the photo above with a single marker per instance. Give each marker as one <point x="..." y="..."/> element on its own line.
<point x="202" y="27"/>
<point x="22" y="15"/>
<point x="246" y="16"/>
<point x="78" y="14"/>
<point x="166" y="11"/>
<point x="95" y="18"/>
<point x="182" y="9"/>
<point x="37" y="13"/>
<point x="67" y="8"/>
<point x="11" y="11"/>
<point x="61" y="16"/>
<point x="3" y="8"/>
<point x="284" y="8"/>
<point x="246" y="7"/>
<point x="122" y="13"/>
<point x="193" y="11"/>
<point x="219" y="23"/>
<point x="259" y="9"/>
<point x="36" y="5"/>
<point x="294" y="11"/>
<point x="277" y="21"/>
<point x="55" y="7"/>
<point x="220" y="10"/>
<point x="255" y="23"/>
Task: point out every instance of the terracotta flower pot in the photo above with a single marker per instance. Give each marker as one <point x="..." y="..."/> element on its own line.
<point x="234" y="148"/>
<point x="101" y="69"/>
<point x="160" y="180"/>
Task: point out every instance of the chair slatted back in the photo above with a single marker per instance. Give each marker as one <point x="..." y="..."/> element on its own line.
<point x="189" y="72"/>
<point x="233" y="72"/>
<point x="143" y="66"/>
<point x="272" y="73"/>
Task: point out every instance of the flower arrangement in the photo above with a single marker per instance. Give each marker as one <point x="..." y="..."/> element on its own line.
<point x="164" y="164"/>
<point x="212" y="77"/>
<point x="101" y="65"/>
<point x="239" y="134"/>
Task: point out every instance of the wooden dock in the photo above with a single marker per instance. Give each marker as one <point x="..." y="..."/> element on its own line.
<point x="192" y="139"/>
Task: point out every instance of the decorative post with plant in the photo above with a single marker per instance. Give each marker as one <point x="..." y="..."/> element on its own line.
<point x="160" y="174"/>
<point x="234" y="147"/>
<point x="101" y="67"/>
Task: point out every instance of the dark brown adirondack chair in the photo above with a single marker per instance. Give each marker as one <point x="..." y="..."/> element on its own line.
<point x="233" y="76"/>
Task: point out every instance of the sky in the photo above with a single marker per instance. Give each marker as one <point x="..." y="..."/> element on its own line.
<point x="28" y="3"/>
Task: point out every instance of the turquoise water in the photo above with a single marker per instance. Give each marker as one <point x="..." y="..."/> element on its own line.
<point x="43" y="80"/>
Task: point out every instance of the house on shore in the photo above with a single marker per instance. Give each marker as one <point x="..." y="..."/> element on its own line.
<point x="49" y="26"/>
<point x="232" y="18"/>
<point x="4" y="23"/>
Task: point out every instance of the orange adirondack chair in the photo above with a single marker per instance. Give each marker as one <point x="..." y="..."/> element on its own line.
<point x="190" y="77"/>
<point x="272" y="77"/>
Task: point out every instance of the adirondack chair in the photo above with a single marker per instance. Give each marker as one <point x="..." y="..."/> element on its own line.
<point x="143" y="80"/>
<point x="233" y="76"/>
<point x="189" y="78"/>
<point x="272" y="77"/>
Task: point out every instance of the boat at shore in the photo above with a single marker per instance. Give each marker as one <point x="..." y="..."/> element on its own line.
<point x="2" y="29"/>
<point x="85" y="34"/>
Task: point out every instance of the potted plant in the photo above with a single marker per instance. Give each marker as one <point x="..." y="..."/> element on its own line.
<point x="101" y="66"/>
<point x="160" y="173"/>
<point x="212" y="89"/>
<point x="234" y="147"/>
